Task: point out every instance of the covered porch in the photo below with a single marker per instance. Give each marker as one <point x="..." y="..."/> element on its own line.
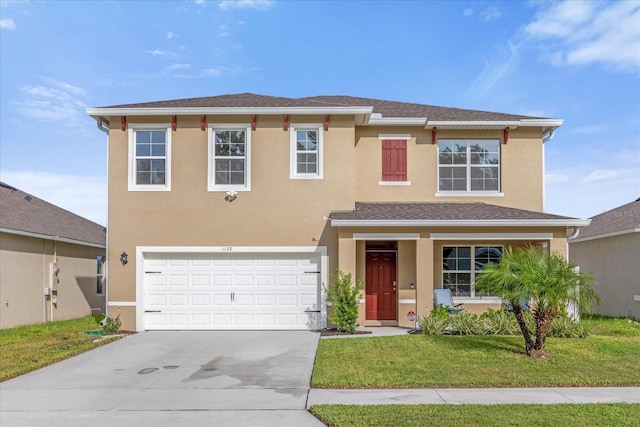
<point x="403" y="251"/>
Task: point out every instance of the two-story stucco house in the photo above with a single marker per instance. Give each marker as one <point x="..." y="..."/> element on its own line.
<point x="233" y="211"/>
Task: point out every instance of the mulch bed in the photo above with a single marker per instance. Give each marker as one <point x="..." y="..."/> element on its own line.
<point x="334" y="331"/>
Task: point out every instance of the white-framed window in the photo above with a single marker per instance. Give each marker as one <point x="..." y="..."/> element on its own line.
<point x="306" y="151"/>
<point x="149" y="157"/>
<point x="229" y="157"/>
<point x="468" y="165"/>
<point x="100" y="275"/>
<point x="462" y="264"/>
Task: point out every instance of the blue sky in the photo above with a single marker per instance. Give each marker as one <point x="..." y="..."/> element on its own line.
<point x="578" y="61"/>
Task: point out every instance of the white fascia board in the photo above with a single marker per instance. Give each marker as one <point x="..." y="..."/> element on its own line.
<point x="50" y="237"/>
<point x="462" y="223"/>
<point x="491" y="236"/>
<point x="547" y="123"/>
<point x="217" y="111"/>
<point x="604" y="236"/>
<point x="386" y="236"/>
<point x="396" y="121"/>
<point x="444" y="124"/>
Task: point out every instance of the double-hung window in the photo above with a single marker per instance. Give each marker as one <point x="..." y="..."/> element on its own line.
<point x="229" y="157"/>
<point x="306" y="151"/>
<point x="466" y="166"/>
<point x="149" y="157"/>
<point x="462" y="264"/>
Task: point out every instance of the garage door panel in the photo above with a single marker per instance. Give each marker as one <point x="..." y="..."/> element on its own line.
<point x="230" y="291"/>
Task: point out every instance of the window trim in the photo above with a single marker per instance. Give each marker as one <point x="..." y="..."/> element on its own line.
<point x="468" y="192"/>
<point x="293" y="170"/>
<point x="133" y="127"/>
<point x="472" y="271"/>
<point x="211" y="128"/>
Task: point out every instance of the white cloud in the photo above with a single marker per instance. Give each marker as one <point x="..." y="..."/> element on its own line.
<point x="468" y="12"/>
<point x="588" y="129"/>
<point x="156" y="52"/>
<point x="178" y="66"/>
<point x="7" y="24"/>
<point x="582" y="32"/>
<point x="221" y="71"/>
<point x="223" y="31"/>
<point x="171" y="35"/>
<point x="494" y="70"/>
<point x="200" y="2"/>
<point x="246" y="4"/>
<point x="551" y="178"/>
<point x="58" y="100"/>
<point x="600" y="174"/>
<point x="490" y="14"/>
<point x="84" y="195"/>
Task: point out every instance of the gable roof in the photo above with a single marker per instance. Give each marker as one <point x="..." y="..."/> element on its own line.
<point x="438" y="214"/>
<point x="25" y="214"/>
<point x="371" y="111"/>
<point x="621" y="220"/>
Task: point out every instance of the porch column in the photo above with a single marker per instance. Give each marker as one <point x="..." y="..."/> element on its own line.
<point x="559" y="243"/>
<point x="424" y="276"/>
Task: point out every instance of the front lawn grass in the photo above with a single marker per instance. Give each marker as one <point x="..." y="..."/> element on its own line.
<point x="588" y="415"/>
<point x="26" y="348"/>
<point x="608" y="357"/>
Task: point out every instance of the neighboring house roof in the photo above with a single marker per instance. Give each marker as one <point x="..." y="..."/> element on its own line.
<point x="621" y="220"/>
<point x="443" y="214"/>
<point x="371" y="111"/>
<point x="22" y="213"/>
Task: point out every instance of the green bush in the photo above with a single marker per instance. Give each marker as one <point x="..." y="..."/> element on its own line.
<point x="565" y="327"/>
<point x="113" y="325"/>
<point x="499" y="322"/>
<point x="344" y="295"/>
<point x="433" y="325"/>
<point x="465" y="323"/>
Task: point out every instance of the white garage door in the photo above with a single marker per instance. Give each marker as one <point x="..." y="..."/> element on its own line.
<point x="231" y="291"/>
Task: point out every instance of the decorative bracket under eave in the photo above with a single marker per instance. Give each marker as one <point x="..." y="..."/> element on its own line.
<point x="203" y="122"/>
<point x="253" y="122"/>
<point x="285" y="125"/>
<point x="174" y="123"/>
<point x="434" y="136"/>
<point x="123" y="123"/>
<point x="505" y="136"/>
<point x="326" y="122"/>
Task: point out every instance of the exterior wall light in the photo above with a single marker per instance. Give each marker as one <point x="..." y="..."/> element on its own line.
<point x="124" y="258"/>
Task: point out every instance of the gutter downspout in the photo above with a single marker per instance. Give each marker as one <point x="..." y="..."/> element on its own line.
<point x="548" y="135"/>
<point x="576" y="231"/>
<point x="102" y="125"/>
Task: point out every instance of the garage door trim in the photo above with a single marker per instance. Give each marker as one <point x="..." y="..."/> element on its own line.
<point x="141" y="251"/>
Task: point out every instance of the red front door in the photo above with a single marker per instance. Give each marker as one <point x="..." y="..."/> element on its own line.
<point x="380" y="288"/>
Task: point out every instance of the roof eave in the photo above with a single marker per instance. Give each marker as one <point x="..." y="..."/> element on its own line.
<point x="51" y="237"/>
<point x="569" y="222"/>
<point x="217" y="111"/>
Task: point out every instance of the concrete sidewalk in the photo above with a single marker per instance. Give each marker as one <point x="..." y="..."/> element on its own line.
<point x="483" y="396"/>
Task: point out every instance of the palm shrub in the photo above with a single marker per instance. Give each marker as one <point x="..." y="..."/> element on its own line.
<point x="344" y="295"/>
<point x="544" y="279"/>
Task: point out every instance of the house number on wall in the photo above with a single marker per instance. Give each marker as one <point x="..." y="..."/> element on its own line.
<point x="227" y="248"/>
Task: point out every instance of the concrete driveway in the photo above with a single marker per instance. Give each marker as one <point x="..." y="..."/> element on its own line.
<point x="186" y="378"/>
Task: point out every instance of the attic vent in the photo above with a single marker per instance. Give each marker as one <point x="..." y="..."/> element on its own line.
<point x="28" y="198"/>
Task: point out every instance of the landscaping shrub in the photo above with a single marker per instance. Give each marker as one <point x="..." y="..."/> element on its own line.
<point x="499" y="322"/>
<point x="465" y="323"/>
<point x="344" y="295"/>
<point x="565" y="327"/>
<point x="113" y="325"/>
<point x="433" y="325"/>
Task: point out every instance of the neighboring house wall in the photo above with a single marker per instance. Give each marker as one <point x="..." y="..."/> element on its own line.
<point x="26" y="269"/>
<point x="277" y="211"/>
<point x="614" y="263"/>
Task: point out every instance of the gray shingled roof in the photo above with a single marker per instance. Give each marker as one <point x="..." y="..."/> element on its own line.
<point x="438" y="211"/>
<point x="620" y="219"/>
<point x="20" y="211"/>
<point x="386" y="108"/>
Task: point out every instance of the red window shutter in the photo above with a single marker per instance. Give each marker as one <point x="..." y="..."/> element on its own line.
<point x="394" y="160"/>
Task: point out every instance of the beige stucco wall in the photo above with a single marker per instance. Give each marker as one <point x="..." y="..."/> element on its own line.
<point x="615" y="264"/>
<point x="26" y="265"/>
<point x="521" y="190"/>
<point x="278" y="211"/>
